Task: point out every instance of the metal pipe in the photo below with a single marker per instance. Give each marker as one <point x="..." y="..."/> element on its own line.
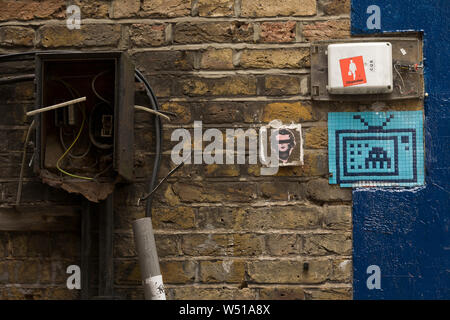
<point x="144" y="239"/>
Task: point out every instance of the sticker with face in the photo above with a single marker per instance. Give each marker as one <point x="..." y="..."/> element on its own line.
<point x="286" y="144"/>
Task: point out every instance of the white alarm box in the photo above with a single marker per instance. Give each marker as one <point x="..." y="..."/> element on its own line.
<point x="360" y="68"/>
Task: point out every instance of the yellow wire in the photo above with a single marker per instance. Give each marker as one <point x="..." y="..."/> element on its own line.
<point x="68" y="150"/>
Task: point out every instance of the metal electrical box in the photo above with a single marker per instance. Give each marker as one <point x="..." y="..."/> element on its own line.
<point x="364" y="69"/>
<point x="89" y="142"/>
<point x="360" y="68"/>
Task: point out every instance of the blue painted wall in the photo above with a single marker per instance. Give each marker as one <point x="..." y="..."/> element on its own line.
<point x="406" y="231"/>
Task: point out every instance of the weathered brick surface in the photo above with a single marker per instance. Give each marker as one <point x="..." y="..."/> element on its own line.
<point x="206" y="244"/>
<point x="222" y="171"/>
<point x="284" y="191"/>
<point x="278" y="31"/>
<point x="217" y="271"/>
<point x="282" y="85"/>
<point x="166" y="8"/>
<point x="30" y="245"/>
<point x="316" y="138"/>
<point x="11" y="36"/>
<point x="217" y="59"/>
<point x="325" y="30"/>
<point x="125" y="8"/>
<point x="222" y="231"/>
<point x="178" y="271"/>
<point x="55" y="36"/>
<point x="165" y="60"/>
<point x="185" y="32"/>
<point x="287" y="111"/>
<point x="335" y="7"/>
<point x="200" y="193"/>
<point x="215" y="218"/>
<point x="126" y="272"/>
<point x="320" y="190"/>
<point x="323" y="244"/>
<point x="93" y="8"/>
<point x="264" y="8"/>
<point x="338" y="217"/>
<point x="199" y="293"/>
<point x="342" y="270"/>
<point x="31" y="9"/>
<point x="282" y="293"/>
<point x="329" y="294"/>
<point x="275" y="58"/>
<point x="284" y="244"/>
<point x="289" y="272"/>
<point x="224" y="86"/>
<point x="283" y="217"/>
<point x="216" y="8"/>
<point x="148" y="35"/>
<point x="174" y="218"/>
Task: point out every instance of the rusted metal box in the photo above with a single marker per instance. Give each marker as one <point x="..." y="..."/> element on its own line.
<point x="90" y="141"/>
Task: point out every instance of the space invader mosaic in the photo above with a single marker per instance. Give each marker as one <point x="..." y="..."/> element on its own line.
<point x="376" y="148"/>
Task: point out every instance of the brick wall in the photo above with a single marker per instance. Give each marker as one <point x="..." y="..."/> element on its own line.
<point x="222" y="231"/>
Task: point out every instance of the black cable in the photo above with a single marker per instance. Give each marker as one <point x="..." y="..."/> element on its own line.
<point x="13" y="79"/>
<point x="10" y="56"/>
<point x="158" y="130"/>
<point x="162" y="180"/>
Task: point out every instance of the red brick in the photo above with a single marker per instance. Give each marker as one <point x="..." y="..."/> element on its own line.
<point x="278" y="31"/>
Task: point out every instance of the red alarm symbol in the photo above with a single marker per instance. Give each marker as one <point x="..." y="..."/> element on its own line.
<point x="352" y="70"/>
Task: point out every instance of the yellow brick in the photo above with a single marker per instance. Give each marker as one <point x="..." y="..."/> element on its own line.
<point x="287" y="112"/>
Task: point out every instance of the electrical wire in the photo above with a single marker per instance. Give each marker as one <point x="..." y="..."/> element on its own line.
<point x="81" y="156"/>
<point x="72" y="91"/>
<point x="403" y="86"/>
<point x="13" y="79"/>
<point x="91" y="136"/>
<point x="162" y="180"/>
<point x="95" y="91"/>
<point x="152" y="111"/>
<point x="158" y="131"/>
<point x="11" y="56"/>
<point x="61" y="139"/>
<point x="68" y="150"/>
<point x="22" y="168"/>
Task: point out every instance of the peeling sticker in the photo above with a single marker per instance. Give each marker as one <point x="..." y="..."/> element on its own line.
<point x="156" y="287"/>
<point x="289" y="142"/>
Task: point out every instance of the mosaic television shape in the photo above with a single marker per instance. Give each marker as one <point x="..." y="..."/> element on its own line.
<point x="376" y="148"/>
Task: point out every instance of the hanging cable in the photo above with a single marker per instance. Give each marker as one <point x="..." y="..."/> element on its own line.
<point x="74" y="156"/>
<point x="95" y="91"/>
<point x="73" y="91"/>
<point x="81" y="156"/>
<point x="68" y="150"/>
<point x="22" y="168"/>
<point x="158" y="131"/>
<point x="159" y="184"/>
<point x="11" y="56"/>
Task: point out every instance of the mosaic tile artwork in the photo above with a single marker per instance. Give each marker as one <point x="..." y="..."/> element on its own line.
<point x="376" y="148"/>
